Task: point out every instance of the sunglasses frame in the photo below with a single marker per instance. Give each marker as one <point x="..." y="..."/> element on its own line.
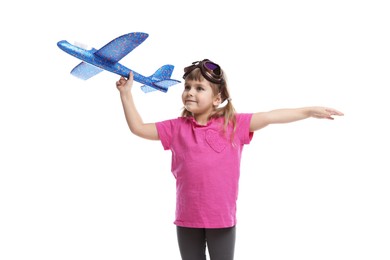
<point x="207" y="73"/>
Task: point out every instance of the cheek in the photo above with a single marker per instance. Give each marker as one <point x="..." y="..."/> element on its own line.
<point x="183" y="96"/>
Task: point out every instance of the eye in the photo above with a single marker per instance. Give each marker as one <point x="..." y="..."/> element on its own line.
<point x="186" y="87"/>
<point x="199" y="88"/>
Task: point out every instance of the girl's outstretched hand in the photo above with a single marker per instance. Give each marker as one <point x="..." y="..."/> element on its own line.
<point x="124" y="85"/>
<point x="324" y="112"/>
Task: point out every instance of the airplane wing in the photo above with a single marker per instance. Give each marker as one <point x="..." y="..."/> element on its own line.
<point x="112" y="52"/>
<point x="118" y="48"/>
<point x="85" y="71"/>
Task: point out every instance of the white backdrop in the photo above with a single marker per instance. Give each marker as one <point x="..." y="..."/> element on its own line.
<point x="76" y="184"/>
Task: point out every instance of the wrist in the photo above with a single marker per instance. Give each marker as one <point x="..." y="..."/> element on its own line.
<point x="125" y="94"/>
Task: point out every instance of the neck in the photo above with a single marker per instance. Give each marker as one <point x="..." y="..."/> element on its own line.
<point x="201" y="120"/>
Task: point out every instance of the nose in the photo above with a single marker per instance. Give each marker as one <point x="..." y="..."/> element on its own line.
<point x="190" y="92"/>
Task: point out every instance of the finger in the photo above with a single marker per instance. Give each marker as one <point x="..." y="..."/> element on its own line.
<point x="334" y="112"/>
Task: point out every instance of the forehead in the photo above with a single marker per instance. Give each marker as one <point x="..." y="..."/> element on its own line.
<point x="193" y="82"/>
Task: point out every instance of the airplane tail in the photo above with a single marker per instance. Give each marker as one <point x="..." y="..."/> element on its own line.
<point x="161" y="80"/>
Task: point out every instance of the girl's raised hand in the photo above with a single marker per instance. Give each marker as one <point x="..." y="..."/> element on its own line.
<point x="125" y="85"/>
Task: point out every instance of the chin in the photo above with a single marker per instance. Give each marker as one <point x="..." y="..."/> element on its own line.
<point x="187" y="108"/>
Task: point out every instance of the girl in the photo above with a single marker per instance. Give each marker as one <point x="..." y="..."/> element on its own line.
<point x="206" y="144"/>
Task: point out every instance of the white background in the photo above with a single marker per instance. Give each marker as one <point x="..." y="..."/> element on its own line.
<point x="76" y="184"/>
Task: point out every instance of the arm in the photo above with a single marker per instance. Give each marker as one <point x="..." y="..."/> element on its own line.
<point x="133" y="118"/>
<point x="288" y="115"/>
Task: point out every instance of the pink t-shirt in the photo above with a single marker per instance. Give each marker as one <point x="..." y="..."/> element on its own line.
<point x="206" y="165"/>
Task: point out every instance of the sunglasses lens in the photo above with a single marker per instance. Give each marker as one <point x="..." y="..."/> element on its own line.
<point x="210" y="66"/>
<point x="213" y="67"/>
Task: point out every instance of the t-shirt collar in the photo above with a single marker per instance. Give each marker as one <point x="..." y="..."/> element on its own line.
<point x="196" y="124"/>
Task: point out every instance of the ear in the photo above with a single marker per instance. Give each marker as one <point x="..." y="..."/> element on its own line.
<point x="217" y="100"/>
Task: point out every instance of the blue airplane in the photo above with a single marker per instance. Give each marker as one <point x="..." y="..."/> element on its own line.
<point x="108" y="57"/>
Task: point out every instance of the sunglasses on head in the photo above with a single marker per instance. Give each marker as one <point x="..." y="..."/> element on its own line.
<point x="210" y="70"/>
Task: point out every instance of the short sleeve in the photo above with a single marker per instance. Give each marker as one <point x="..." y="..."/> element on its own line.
<point x="165" y="132"/>
<point x="243" y="121"/>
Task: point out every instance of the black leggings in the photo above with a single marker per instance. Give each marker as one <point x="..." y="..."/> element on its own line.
<point x="220" y="243"/>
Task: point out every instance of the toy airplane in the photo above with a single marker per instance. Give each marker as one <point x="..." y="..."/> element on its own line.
<point x="108" y="57"/>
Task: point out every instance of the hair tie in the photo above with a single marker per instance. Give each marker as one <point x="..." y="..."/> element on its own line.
<point x="224" y="103"/>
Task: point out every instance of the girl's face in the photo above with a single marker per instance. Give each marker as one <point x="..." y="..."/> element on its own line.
<point x="199" y="99"/>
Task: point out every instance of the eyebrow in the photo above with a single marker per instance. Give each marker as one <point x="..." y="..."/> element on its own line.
<point x="196" y="84"/>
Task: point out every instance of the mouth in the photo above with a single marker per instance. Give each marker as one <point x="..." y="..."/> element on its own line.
<point x="189" y="101"/>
